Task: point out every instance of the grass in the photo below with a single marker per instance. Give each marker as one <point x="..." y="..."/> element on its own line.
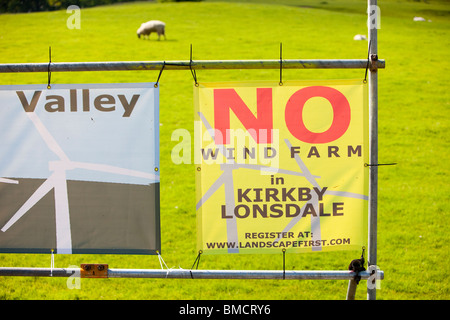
<point x="413" y="132"/>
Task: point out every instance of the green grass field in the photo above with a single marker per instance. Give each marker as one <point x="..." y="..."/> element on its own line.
<point x="413" y="238"/>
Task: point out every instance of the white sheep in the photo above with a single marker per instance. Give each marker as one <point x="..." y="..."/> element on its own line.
<point x="359" y="37"/>
<point x="152" y="26"/>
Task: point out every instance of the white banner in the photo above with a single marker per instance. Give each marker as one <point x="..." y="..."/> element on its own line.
<point x="80" y="161"/>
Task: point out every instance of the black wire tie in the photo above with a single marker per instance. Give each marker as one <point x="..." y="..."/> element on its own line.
<point x="197" y="260"/>
<point x="379" y="164"/>
<point x="159" y="76"/>
<point x="368" y="62"/>
<point x="48" y="67"/>
<point x="194" y="75"/>
<point x="281" y="64"/>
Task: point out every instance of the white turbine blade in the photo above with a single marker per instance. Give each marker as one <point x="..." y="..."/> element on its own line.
<point x="4" y="180"/>
<point x="115" y="170"/>
<point x="35" y="197"/>
<point x="48" y="138"/>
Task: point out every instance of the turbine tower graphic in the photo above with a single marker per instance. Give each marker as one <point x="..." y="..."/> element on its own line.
<point x="58" y="181"/>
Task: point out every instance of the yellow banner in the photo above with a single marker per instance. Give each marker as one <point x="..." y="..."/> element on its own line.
<point x="281" y="167"/>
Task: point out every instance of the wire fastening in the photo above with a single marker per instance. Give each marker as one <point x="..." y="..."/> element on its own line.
<point x="379" y="164"/>
<point x="159" y="76"/>
<point x="368" y="62"/>
<point x="194" y="75"/>
<point x="197" y="260"/>
<point x="52" y="263"/>
<point x="49" y="72"/>
<point x="281" y="64"/>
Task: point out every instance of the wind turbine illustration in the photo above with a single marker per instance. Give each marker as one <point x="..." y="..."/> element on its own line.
<point x="58" y="181"/>
<point x="226" y="179"/>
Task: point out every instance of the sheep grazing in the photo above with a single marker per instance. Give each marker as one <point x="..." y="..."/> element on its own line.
<point x="152" y="26"/>
<point x="359" y="37"/>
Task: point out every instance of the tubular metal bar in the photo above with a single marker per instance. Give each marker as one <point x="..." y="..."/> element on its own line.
<point x="237" y="274"/>
<point x="195" y="274"/>
<point x="39" y="272"/>
<point x="373" y="137"/>
<point x="186" y="65"/>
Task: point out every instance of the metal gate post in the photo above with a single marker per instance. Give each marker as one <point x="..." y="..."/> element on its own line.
<point x="351" y="290"/>
<point x="372" y="25"/>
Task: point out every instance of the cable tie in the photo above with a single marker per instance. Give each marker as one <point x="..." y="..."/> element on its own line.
<point x="52" y="263"/>
<point x="368" y="62"/>
<point x="194" y="75"/>
<point x="379" y="164"/>
<point x="159" y="76"/>
<point x="281" y="64"/>
<point x="197" y="260"/>
<point x="49" y="73"/>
